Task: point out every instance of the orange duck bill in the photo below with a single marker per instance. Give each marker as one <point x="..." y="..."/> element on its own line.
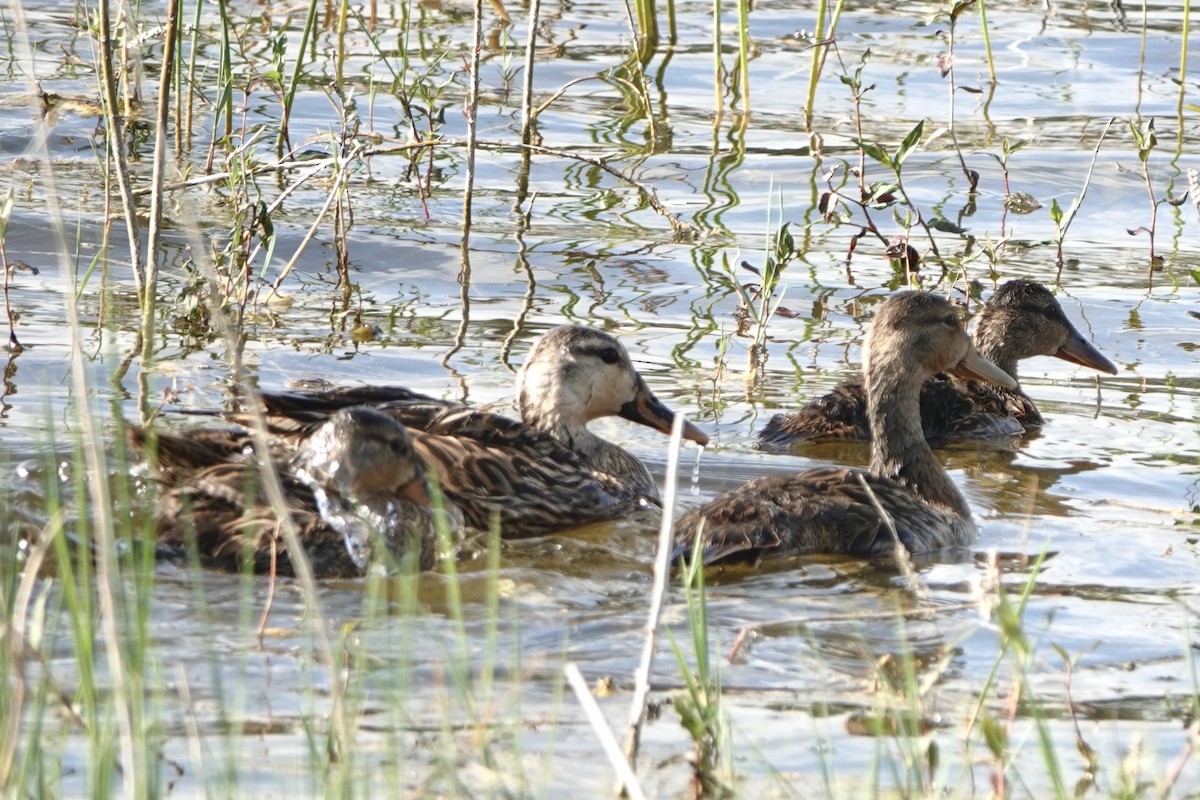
<point x="1078" y="350"/>
<point x="975" y="367"/>
<point x="648" y="410"/>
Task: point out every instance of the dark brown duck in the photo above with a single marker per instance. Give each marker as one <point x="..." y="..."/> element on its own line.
<point x="355" y="489"/>
<point x="830" y="510"/>
<point x="1022" y="320"/>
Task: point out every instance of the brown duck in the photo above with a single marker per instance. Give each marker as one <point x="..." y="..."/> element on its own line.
<point x="1022" y="320"/>
<point x="829" y="510"/>
<point x="545" y="473"/>
<point x="355" y="489"/>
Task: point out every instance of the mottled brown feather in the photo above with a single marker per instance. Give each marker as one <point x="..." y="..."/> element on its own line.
<point x="545" y="473"/>
<point x="830" y="509"/>
<point x="1021" y="320"/>
<point x="364" y="465"/>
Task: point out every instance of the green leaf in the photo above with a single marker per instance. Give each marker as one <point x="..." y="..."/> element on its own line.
<point x="785" y="245"/>
<point x="959" y="8"/>
<point x="1010" y="148"/>
<point x="910" y="141"/>
<point x="1056" y="212"/>
<point x="875" y="152"/>
<point x="882" y="193"/>
<point x="995" y="737"/>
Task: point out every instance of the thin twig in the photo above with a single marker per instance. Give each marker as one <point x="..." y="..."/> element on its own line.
<point x="115" y="128"/>
<point x="315" y="165"/>
<point x="603" y="732"/>
<point x="342" y="177"/>
<point x="902" y="557"/>
<point x="1078" y="201"/>
<point x="472" y="114"/>
<point x="161" y="143"/>
<point x="527" y="116"/>
<point x="658" y="595"/>
<point x="559" y="92"/>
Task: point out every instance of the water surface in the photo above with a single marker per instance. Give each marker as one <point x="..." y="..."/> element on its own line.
<point x="1105" y="494"/>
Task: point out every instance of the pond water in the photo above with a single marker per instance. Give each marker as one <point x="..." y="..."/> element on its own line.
<point x="1106" y="492"/>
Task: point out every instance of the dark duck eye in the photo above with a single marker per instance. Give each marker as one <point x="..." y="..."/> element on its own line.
<point x="609" y="355"/>
<point x="1053" y="313"/>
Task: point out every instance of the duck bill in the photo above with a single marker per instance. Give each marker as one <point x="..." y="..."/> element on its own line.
<point x="648" y="410"/>
<point x="1078" y="350"/>
<point x="976" y="367"/>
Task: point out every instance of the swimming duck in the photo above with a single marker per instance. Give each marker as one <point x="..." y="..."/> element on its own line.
<point x="1022" y="320"/>
<point x="355" y="489"/>
<point x="914" y="336"/>
<point x="543" y="474"/>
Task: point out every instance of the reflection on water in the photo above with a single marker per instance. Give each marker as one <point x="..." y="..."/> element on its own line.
<point x="1104" y="494"/>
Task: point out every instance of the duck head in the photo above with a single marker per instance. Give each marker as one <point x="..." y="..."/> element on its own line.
<point x="1023" y="319"/>
<point x="916" y="335"/>
<point x="574" y="375"/>
<point x="361" y="452"/>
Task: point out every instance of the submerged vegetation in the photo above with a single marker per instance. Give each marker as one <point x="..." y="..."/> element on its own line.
<point x="208" y="197"/>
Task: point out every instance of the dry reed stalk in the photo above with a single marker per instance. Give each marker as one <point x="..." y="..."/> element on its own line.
<point x="472" y="113"/>
<point x="607" y="741"/>
<point x="900" y="553"/>
<point x="1069" y="217"/>
<point x="335" y="192"/>
<point x="114" y="123"/>
<point x="161" y="140"/>
<point x="658" y="595"/>
<point x="527" y="117"/>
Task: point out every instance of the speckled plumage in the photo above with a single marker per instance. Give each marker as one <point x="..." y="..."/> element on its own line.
<point x="1021" y="320"/>
<point x="545" y="473"/>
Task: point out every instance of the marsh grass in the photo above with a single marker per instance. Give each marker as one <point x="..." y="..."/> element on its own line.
<point x="699" y="704"/>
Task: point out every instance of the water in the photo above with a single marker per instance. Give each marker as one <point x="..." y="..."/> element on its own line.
<point x="1105" y="492"/>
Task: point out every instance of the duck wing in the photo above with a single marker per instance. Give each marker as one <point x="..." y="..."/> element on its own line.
<point x="958" y="409"/>
<point x="950" y="409"/>
<point x="491" y="465"/>
<point x="177" y="456"/>
<point x="293" y="415"/>
<point x="824" y="510"/>
<point x="224" y="513"/>
<point x="330" y="400"/>
<point x="840" y="415"/>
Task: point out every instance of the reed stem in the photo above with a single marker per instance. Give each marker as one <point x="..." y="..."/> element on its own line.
<point x="157" y="179"/>
<point x="658" y="595"/>
<point x="114" y="123"/>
